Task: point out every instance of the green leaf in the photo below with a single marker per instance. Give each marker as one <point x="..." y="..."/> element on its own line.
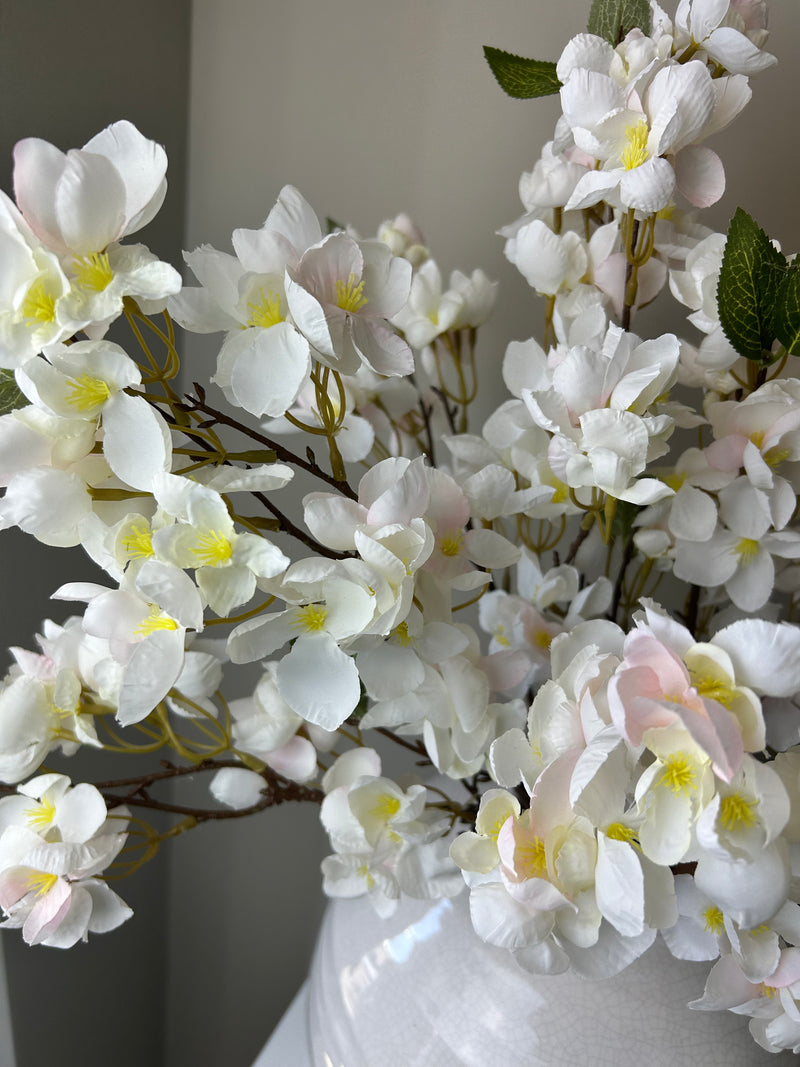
<point x="786" y="316"/>
<point x="613" y="19"/>
<point x="10" y="395"/>
<point x="752" y="271"/>
<point x="522" y="78"/>
<point x="622" y="523"/>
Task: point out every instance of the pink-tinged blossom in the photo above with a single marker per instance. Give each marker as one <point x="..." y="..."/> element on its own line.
<point x="81" y="201"/>
<point x="647" y="138"/>
<point x="341" y="294"/>
<point x="731" y="34"/>
<point x="652" y="690"/>
<point x="55" y="839"/>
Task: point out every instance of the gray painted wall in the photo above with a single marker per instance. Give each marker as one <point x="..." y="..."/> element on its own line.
<point x="66" y="71"/>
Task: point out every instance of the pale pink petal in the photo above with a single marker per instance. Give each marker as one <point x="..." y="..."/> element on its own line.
<point x="297" y="760"/>
<point x="71" y="926"/>
<point x="381" y="348"/>
<point x="699" y="175"/>
<point x="47" y="913"/>
<point x="37" y="167"/>
<point x="309" y="315"/>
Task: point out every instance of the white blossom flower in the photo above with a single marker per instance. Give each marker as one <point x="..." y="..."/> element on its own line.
<point x="340" y="295"/>
<point x="227" y="564"/>
<point x="82" y="201"/>
<point x="54" y="841"/>
<point x="731" y="33"/>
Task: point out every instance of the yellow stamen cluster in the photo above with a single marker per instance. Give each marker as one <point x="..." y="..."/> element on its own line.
<point x="155" y="621"/>
<point x="213" y="549"/>
<point x="635" y="151"/>
<point x="774" y="456"/>
<point x="713" y="689"/>
<point x="403" y="637"/>
<point x="678" y="774"/>
<point x="349" y="296"/>
<point x="87" y="392"/>
<point x="500" y="637"/>
<point x="39" y="816"/>
<point x="385" y="807"/>
<point x="40" y="883"/>
<point x="497" y="826"/>
<point x="93" y="271"/>
<point x="561" y="490"/>
<point x="531" y="859"/>
<point x="736" y="811"/>
<point x="543" y="639"/>
<point x="747" y="550"/>
<point x="138" y="543"/>
<point x="39" y="306"/>
<point x="266" y="313"/>
<point x="714" y="920"/>
<point x="363" y="872"/>
<point x="618" y="831"/>
<point x="311" y="618"/>
<point x="451" y="542"/>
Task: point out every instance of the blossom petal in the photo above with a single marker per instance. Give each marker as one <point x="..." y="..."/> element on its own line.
<point x="237" y="787"/>
<point x="700" y="175"/>
<point x="267" y="368"/>
<point x="143" y="166"/>
<point x="319" y="681"/>
<point x="131" y="418"/>
<point x="765" y="655"/>
<point x="149" y="675"/>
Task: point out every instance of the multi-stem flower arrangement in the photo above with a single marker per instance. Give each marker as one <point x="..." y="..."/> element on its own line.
<point x="617" y="717"/>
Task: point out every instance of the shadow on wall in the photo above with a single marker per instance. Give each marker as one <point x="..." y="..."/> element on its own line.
<point x="66" y="71"/>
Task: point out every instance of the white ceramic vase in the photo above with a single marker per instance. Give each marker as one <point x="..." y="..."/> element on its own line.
<point x="421" y="990"/>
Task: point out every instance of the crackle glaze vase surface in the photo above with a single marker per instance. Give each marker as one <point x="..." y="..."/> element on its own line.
<point x="421" y="990"/>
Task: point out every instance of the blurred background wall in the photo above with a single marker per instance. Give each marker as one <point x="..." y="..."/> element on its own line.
<point x="66" y="71"/>
<point x="370" y="107"/>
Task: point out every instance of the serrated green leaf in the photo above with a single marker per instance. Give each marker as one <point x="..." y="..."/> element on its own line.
<point x="752" y="271"/>
<point x="614" y="19"/>
<point x="522" y="78"/>
<point x="786" y="316"/>
<point x="10" y="395"/>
